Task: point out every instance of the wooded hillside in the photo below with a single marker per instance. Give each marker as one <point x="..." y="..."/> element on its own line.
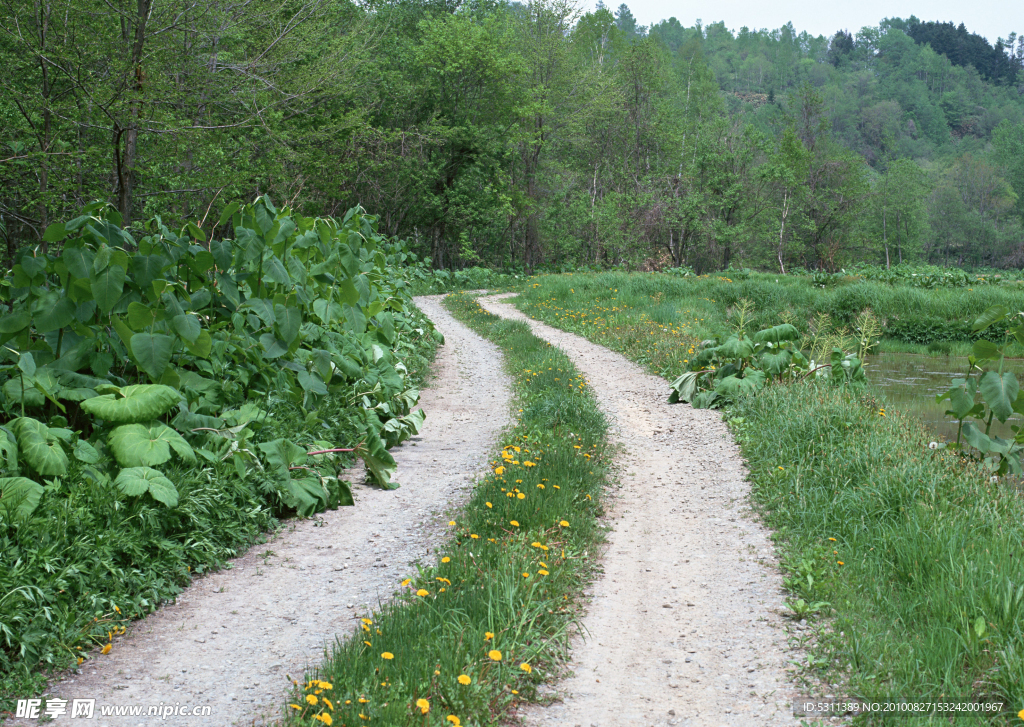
<point x="522" y="135"/>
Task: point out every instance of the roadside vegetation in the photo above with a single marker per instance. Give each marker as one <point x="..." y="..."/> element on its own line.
<point x="164" y="399"/>
<point x="911" y="547"/>
<point x="470" y="636"/>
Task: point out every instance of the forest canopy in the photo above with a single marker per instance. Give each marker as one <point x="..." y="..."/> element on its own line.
<point x="522" y="135"/>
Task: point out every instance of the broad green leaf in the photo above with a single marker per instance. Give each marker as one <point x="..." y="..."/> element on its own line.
<point x="992" y="315"/>
<point x="135" y="481"/>
<point x="40" y="449"/>
<point x="225" y="215"/>
<point x="999" y="392"/>
<point x="132" y="404"/>
<point x="273" y="347"/>
<point x="961" y="397"/>
<point x="53" y="313"/>
<point x="196" y="232"/>
<point x="312" y="383"/>
<point x="85" y="452"/>
<point x="202" y="346"/>
<point x="153" y="352"/>
<point x="777" y="334"/>
<point x="977" y="438"/>
<point x="79" y="261"/>
<point x="222" y="254"/>
<point x="187" y="326"/>
<point x="775" y="361"/>
<point x="19" y="497"/>
<point x="140" y="317"/>
<point x="282" y="454"/>
<point x="289" y="320"/>
<point x="147" y="268"/>
<point x="55" y="232"/>
<point x="263" y="308"/>
<point x="985" y="350"/>
<point x="380" y="465"/>
<point x="27" y="364"/>
<point x="107" y="287"/>
<point x="150" y="444"/>
<point x="328" y="312"/>
<point x="9" y="447"/>
<point x="14" y="322"/>
<point x="274" y="271"/>
<point x="32" y="396"/>
<point x="736" y="348"/>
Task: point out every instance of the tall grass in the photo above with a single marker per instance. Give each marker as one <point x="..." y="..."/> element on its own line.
<point x="473" y="634"/>
<point x="918" y="553"/>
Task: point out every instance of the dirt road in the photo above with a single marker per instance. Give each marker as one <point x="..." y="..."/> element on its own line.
<point x="683" y="627"/>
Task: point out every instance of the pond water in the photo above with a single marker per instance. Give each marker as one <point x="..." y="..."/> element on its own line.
<point x="910" y="382"/>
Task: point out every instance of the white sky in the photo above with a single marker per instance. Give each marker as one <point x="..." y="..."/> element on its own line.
<point x="988" y="18"/>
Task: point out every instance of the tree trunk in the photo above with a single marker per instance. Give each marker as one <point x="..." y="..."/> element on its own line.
<point x="126" y="158"/>
<point x="782" y="230"/>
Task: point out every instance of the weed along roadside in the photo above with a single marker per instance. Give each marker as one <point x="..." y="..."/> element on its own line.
<point x="903" y="558"/>
<point x="683" y="624"/>
<point x="228" y="641"/>
<point x="165" y="399"/>
<point x="470" y="638"/>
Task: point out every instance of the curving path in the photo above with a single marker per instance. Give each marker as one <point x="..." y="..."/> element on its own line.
<point x="683" y="628"/>
<point x="231" y="637"/>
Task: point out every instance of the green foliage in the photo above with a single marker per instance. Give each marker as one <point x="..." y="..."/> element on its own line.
<point x="984" y="394"/>
<point x="913" y="549"/>
<point x="176" y="383"/>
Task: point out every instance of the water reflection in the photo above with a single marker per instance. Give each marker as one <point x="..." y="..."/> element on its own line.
<point x="910" y="383"/>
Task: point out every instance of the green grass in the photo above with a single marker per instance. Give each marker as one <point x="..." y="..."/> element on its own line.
<point x="916" y="554"/>
<point x="509" y="567"/>
<point x="674" y="312"/>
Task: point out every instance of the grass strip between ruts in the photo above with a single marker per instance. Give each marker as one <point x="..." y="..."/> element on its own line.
<point x="469" y="638"/>
<point x="914" y="552"/>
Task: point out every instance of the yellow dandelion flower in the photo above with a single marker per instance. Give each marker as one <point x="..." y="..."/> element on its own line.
<point x="526" y="575"/>
<point x="543" y="572"/>
<point x="515" y="523"/>
<point x="564" y="523"/>
<point x="424" y="705"/>
<point x="464" y="680"/>
<point x="365" y="642"/>
<point x="474" y="536"/>
<point x="387" y="655"/>
<point x="526" y="667"/>
<point x="488" y="635"/>
<point x="451" y="522"/>
<point x="521" y="496"/>
<point x="106" y="648"/>
<point x="423" y="592"/>
<point x="454" y="720"/>
<point x="325" y="718"/>
<point x="406" y="582"/>
<point x="494" y="655"/>
<point x="311" y="699"/>
<point x="366" y="621"/>
<point x="295" y="706"/>
<point x="499" y="470"/>
<point x="488" y="504"/>
<point x="446" y="559"/>
<point x="536" y="545"/>
<point x="328" y="703"/>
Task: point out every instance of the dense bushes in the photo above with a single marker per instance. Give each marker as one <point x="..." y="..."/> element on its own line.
<point x="164" y="398"/>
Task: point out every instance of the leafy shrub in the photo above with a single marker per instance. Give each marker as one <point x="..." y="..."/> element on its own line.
<point x="161" y="398"/>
